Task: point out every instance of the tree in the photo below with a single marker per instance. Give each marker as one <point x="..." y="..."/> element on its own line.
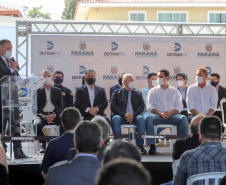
<point x="69" y="10"/>
<point x="36" y="13"/>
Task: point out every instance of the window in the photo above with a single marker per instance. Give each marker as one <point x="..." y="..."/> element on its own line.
<point x="137" y="16"/>
<point x="172" y="17"/>
<point x="217" y="17"/>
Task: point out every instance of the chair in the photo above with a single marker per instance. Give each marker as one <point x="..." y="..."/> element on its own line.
<point x="206" y="177"/>
<point x="131" y="133"/>
<point x="173" y="131"/>
<point x="51" y="130"/>
<point x="223" y="120"/>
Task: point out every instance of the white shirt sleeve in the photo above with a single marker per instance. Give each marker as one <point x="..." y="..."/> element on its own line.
<point x="150" y="100"/>
<point x="190" y="102"/>
<point x="179" y="104"/>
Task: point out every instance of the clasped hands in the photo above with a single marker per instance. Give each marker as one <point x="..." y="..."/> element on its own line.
<point x="49" y="118"/>
<point x="129" y="117"/>
<point x="93" y="111"/>
<point x="165" y="115"/>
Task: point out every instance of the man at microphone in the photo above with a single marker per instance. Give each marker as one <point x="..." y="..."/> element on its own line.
<point x="9" y="66"/>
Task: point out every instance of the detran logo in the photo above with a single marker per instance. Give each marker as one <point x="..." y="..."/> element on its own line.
<point x="145" y="70"/>
<point x="50" y="45"/>
<point x="82" y="69"/>
<point x="177" y="47"/>
<point x="209" y="70"/>
<point x="114" y="46"/>
<point x="23" y="92"/>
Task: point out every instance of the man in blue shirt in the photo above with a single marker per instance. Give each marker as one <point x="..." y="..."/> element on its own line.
<point x="58" y="148"/>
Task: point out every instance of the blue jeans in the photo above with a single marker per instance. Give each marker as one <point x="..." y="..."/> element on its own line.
<point x="176" y="119"/>
<point x="139" y="121"/>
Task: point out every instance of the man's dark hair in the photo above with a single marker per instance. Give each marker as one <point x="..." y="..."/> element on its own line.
<point x="150" y="75"/>
<point x="165" y="71"/>
<point x="3" y="41"/>
<point x="123" y="172"/>
<point x="217" y="75"/>
<point x="58" y="72"/>
<point x="121" y="149"/>
<point x="70" y="118"/>
<point x="90" y="70"/>
<point x="88" y="136"/>
<point x="210" y="128"/>
<point x="103" y="124"/>
<point x="184" y="76"/>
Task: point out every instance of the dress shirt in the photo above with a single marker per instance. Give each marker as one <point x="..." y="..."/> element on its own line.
<point x="10" y="66"/>
<point x="91" y="98"/>
<point x="183" y="95"/>
<point x="145" y="92"/>
<point x="129" y="107"/>
<point x="164" y="100"/>
<point x="86" y="155"/>
<point x="202" y="99"/>
<point x="209" y="157"/>
<point x="49" y="105"/>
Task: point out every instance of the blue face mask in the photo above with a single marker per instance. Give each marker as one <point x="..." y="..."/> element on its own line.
<point x="214" y="83"/>
<point x="58" y="80"/>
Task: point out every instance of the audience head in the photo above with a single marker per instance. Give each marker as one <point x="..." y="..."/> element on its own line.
<point x="46" y="77"/>
<point x="201" y="75"/>
<point x="123" y="172"/>
<point x="181" y="79"/>
<point x="152" y="79"/>
<point x="163" y="76"/>
<point x="103" y="124"/>
<point x="90" y="77"/>
<point x="70" y="118"/>
<point x="194" y="125"/>
<point x="87" y="137"/>
<point x="210" y="129"/>
<point x="214" y="79"/>
<point x="121" y="149"/>
<point x="6" y="48"/>
<point x="58" y="77"/>
<point x="120" y="76"/>
<point x="128" y="81"/>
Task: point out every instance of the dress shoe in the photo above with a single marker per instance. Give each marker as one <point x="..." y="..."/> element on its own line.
<point x="19" y="154"/>
<point x="152" y="149"/>
<point x="142" y="150"/>
<point x="43" y="148"/>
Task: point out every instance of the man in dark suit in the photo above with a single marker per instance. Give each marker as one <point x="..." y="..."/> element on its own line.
<point x="49" y="103"/>
<point x="91" y="99"/>
<point x="215" y="80"/>
<point x="82" y="169"/>
<point x="127" y="106"/>
<point x="9" y="67"/>
<point x="58" y="148"/>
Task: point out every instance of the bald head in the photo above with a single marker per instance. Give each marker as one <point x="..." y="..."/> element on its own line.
<point x="127" y="78"/>
<point x="195" y="123"/>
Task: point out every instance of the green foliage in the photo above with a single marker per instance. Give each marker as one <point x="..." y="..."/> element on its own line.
<point x="69" y="10"/>
<point x="36" y="13"/>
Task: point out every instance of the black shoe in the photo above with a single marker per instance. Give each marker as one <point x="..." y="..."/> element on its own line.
<point x="19" y="154"/>
<point x="43" y="148"/>
<point x="142" y="150"/>
<point x="152" y="149"/>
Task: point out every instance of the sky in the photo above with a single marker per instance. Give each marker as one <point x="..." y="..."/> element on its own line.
<point x="55" y="7"/>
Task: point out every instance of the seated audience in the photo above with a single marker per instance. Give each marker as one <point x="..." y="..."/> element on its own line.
<point x="208" y="157"/>
<point x="82" y="169"/>
<point x="90" y="99"/>
<point x="123" y="172"/>
<point x="127" y="105"/>
<point x="103" y="124"/>
<point x="165" y="103"/>
<point x="58" y="148"/>
<point x="121" y="149"/>
<point x="49" y="104"/>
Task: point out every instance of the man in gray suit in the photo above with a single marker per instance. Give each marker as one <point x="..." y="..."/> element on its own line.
<point x="82" y="169"/>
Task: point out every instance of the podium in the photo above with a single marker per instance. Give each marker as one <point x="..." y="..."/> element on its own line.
<point x="19" y="108"/>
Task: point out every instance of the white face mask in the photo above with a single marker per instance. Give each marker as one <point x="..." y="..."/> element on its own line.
<point x="161" y="81"/>
<point x="199" y="79"/>
<point x="154" y="83"/>
<point x="8" y="54"/>
<point x="47" y="80"/>
<point x="132" y="85"/>
<point x="180" y="83"/>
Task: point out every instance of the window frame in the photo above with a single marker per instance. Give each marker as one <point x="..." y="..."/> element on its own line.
<point x="216" y="12"/>
<point x="145" y="15"/>
<point x="186" y="12"/>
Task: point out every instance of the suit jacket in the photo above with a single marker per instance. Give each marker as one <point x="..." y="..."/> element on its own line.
<point x="82" y="102"/>
<point x="80" y="171"/>
<point x="56" y="98"/>
<point x="115" y="87"/>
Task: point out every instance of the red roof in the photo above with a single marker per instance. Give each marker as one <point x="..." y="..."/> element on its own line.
<point x="152" y="1"/>
<point x="6" y="11"/>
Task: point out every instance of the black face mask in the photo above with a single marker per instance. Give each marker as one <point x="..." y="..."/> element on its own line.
<point x="58" y="81"/>
<point x="120" y="81"/>
<point x="90" y="81"/>
<point x="214" y="83"/>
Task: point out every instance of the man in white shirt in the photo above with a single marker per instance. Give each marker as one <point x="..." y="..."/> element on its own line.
<point x="201" y="96"/>
<point x="165" y="104"/>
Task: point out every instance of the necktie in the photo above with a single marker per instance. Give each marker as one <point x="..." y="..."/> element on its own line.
<point x="7" y="60"/>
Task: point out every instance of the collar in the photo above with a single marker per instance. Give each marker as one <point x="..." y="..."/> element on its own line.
<point x="88" y="87"/>
<point x="211" y="144"/>
<point x="206" y="85"/>
<point x="85" y="155"/>
<point x="182" y="89"/>
<point x="47" y="89"/>
<point x="60" y="86"/>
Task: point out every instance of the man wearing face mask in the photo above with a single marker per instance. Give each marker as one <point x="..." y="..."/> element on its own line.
<point x="201" y="96"/>
<point x="181" y="82"/>
<point x="90" y="99"/>
<point x="119" y="86"/>
<point x="215" y="80"/>
<point x="50" y="106"/>
<point x="58" y="77"/>
<point x="127" y="105"/>
<point x="165" y="104"/>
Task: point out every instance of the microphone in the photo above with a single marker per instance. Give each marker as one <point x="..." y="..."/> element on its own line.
<point x="12" y="58"/>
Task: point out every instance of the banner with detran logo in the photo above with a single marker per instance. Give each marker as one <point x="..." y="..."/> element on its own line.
<point x="110" y="55"/>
